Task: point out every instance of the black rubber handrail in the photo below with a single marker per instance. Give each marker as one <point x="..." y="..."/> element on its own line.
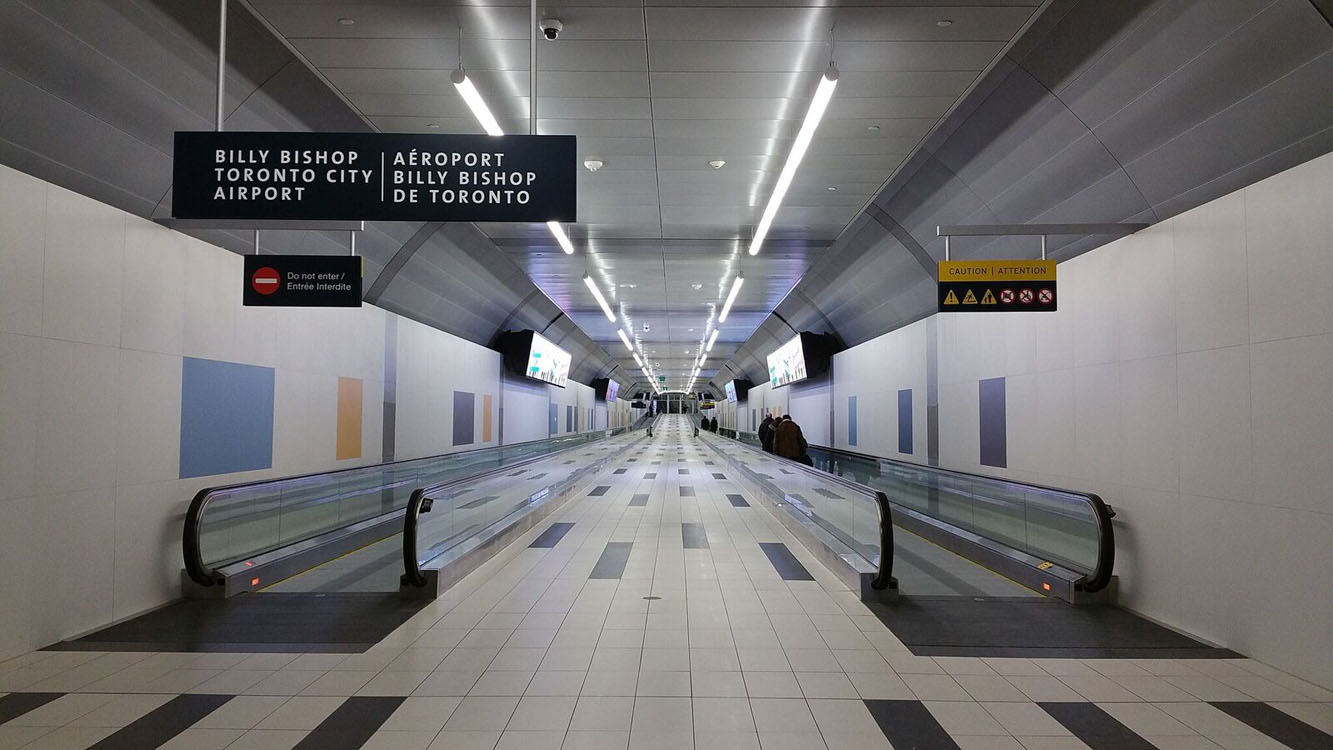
<point x="420" y="502"/>
<point x="1102" y="513"/>
<point x="190" y="547"/>
<point x="884" y="576"/>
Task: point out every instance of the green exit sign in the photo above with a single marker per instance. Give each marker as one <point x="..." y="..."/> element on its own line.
<point x="661" y="378"/>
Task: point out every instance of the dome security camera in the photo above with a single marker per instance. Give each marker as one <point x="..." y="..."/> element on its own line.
<point x="551" y="28"/>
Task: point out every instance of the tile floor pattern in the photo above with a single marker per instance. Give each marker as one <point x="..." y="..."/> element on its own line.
<point x="533" y="651"/>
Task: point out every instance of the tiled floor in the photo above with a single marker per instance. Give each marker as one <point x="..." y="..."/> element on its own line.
<point x="660" y="624"/>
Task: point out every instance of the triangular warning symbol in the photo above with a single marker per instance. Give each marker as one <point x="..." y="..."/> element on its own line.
<point x="988" y="298"/>
<point x="969" y="298"/>
<point x="951" y="299"/>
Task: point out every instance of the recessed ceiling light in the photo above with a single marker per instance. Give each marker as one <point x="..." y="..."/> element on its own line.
<point x="944" y="22"/>
<point x="717" y="163"/>
<point x="433" y="125"/>
<point x="696" y="287"/>
<point x="346" y="21"/>
<point x="628" y="286"/>
<point x="592" y="165"/>
<point x="691" y="330"/>
<point x="872" y="128"/>
<point x="831" y="188"/>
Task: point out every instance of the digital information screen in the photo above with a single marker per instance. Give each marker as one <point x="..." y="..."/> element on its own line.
<point x="612" y="391"/>
<point x="547" y="362"/>
<point x="730" y="388"/>
<point x="787" y="364"/>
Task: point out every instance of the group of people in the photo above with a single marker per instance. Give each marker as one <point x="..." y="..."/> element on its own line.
<point x="782" y="436"/>
<point x="708" y="423"/>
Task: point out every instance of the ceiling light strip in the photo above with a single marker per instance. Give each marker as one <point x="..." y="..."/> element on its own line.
<point x="625" y="339"/>
<point x="475" y="103"/>
<point x="712" y="340"/>
<point x="731" y="298"/>
<point x="597" y="293"/>
<point x="823" y="94"/>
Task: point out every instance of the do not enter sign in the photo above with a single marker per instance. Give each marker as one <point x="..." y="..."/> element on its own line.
<point x="302" y="281"/>
<point x="264" y="281"/>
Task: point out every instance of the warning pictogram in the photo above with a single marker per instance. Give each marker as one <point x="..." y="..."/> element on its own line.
<point x="993" y="286"/>
<point x="264" y="281"/>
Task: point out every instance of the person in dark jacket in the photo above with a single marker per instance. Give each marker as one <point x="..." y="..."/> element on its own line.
<point x="713" y="426"/>
<point x="766" y="433"/>
<point x="789" y="441"/>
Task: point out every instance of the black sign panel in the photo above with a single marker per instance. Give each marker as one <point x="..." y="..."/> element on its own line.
<point x="997" y="296"/>
<point x="302" y="281"/>
<point x="369" y="176"/>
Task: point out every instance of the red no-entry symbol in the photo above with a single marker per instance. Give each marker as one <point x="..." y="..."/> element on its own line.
<point x="1007" y="296"/>
<point x="1025" y="296"/>
<point x="1045" y="296"/>
<point x="265" y="281"/>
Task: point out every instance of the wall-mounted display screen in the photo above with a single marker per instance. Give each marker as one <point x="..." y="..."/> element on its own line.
<point x="547" y="362"/>
<point x="612" y="390"/>
<point x="730" y="388"/>
<point x="787" y="364"/>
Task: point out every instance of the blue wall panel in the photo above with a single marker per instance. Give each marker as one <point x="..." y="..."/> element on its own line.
<point x="555" y="418"/>
<point x="994" y="443"/>
<point x="226" y="417"/>
<point x="851" y="420"/>
<point x="465" y="417"/>
<point x="905" y="421"/>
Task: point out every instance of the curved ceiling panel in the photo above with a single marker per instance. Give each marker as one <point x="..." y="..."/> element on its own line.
<point x="1131" y="111"/>
<point x="93" y="92"/>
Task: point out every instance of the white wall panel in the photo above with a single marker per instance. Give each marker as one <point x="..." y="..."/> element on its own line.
<point x="97" y="308"/>
<point x="1188" y="379"/>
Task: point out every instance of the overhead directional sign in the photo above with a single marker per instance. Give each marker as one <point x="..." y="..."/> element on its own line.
<point x="387" y="176"/>
<point x="997" y="286"/>
<point x="302" y="281"/>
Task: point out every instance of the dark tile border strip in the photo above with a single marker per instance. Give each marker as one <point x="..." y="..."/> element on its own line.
<point x="158" y="726"/>
<point x="351" y="725"/>
<point x="620" y="471"/>
<point x="719" y="475"/>
<point x="213" y="647"/>
<point x="1127" y="652"/>
<point x="785" y="562"/>
<point x="639" y="501"/>
<point x="1277" y="724"/>
<point x="1095" y="728"/>
<point x="909" y="724"/>
<point x="612" y="562"/>
<point x="737" y="501"/>
<point x="693" y="536"/>
<point x="599" y="490"/>
<point x="15" y="705"/>
<point x="686" y="490"/>
<point x="552" y="536"/>
<point x="650" y="475"/>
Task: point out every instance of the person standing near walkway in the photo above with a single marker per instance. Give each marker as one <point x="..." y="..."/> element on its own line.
<point x="789" y="441"/>
<point x="766" y="433"/>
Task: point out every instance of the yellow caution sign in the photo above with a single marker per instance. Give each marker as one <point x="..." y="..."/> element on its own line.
<point x="996" y="270"/>
<point x="969" y="298"/>
<point x="988" y="298"/>
<point x="952" y="299"/>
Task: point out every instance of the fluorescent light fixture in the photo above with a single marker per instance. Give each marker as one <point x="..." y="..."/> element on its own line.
<point x="712" y="340"/>
<point x="731" y="297"/>
<point x="597" y="293"/>
<point x="561" y="237"/>
<point x="639" y="362"/>
<point x="702" y="358"/>
<point x="475" y="102"/>
<point x="625" y="339"/>
<point x="823" y="94"/>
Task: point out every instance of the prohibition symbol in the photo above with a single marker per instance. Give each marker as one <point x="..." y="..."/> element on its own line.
<point x="264" y="281"/>
<point x="1025" y="296"/>
<point x="1045" y="296"/>
<point x="1007" y="296"/>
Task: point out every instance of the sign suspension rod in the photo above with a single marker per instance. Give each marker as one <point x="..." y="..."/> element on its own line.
<point x="222" y="61"/>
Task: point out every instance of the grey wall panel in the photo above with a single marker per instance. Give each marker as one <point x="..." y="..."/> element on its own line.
<point x="1130" y="111"/>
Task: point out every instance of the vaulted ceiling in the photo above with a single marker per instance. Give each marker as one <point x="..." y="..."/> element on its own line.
<point x="1000" y="111"/>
